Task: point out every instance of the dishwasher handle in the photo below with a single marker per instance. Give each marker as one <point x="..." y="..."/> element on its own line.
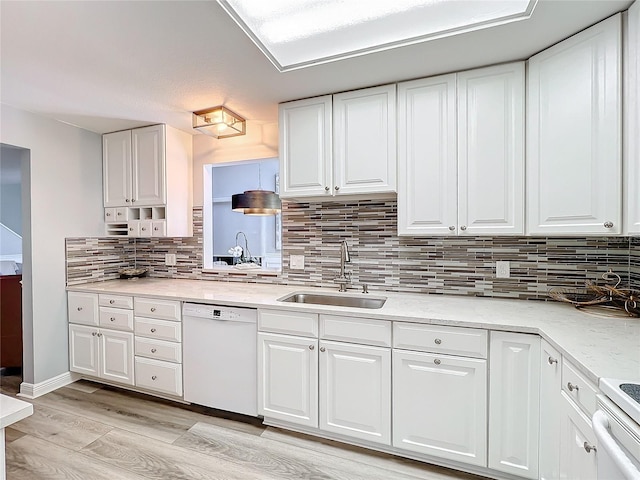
<point x="606" y="442"/>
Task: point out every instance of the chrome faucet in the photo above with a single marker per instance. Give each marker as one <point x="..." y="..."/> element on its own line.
<point x="345" y="278"/>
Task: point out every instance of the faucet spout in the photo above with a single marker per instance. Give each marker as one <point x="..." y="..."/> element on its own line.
<point x="345" y="257"/>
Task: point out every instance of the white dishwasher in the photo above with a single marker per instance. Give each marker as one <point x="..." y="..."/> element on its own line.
<point x="219" y="357"/>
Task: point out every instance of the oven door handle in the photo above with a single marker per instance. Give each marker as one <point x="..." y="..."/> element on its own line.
<point x="606" y="442"/>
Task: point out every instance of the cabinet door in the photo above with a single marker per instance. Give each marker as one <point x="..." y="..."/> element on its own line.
<point x="575" y="462"/>
<point x="116" y="356"/>
<point x="355" y="391"/>
<point x="574" y="131"/>
<point x="440" y="406"/>
<point x="364" y="140"/>
<point x="514" y="405"/>
<point x="427" y="183"/>
<point x="116" y="169"/>
<point x="550" y="386"/>
<point x="148" y="159"/>
<point x="491" y="150"/>
<point x="631" y="134"/>
<point x="288" y="378"/>
<point x="305" y="148"/>
<point x="83" y="350"/>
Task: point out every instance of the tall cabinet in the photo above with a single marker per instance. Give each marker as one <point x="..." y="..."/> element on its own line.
<point x="461" y="153"/>
<point x="574" y="147"/>
<point x="631" y="133"/>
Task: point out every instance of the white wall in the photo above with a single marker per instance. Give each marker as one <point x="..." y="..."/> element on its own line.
<point x="63" y="186"/>
<point x="10" y="194"/>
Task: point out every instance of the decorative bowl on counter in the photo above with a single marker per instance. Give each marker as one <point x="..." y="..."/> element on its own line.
<point x="131" y="273"/>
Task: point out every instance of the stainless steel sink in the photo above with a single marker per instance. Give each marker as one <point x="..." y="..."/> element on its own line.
<point x="359" y="301"/>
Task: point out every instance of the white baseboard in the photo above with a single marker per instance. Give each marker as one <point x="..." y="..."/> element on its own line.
<point x="34" y="390"/>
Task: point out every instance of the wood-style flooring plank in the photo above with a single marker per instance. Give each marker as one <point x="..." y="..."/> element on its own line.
<point x="31" y="458"/>
<point x="158" y="460"/>
<point x="64" y="429"/>
<point x="11" y="434"/>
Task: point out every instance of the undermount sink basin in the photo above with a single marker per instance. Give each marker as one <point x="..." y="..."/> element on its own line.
<point x="359" y="301"/>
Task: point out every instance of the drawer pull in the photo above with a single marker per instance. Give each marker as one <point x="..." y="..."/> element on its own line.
<point x="153" y="309"/>
<point x="153" y="330"/>
<point x="311" y="347"/>
<point x="79" y="309"/>
<point x="112" y="319"/>
<point x="437" y="361"/>
<point x="588" y="448"/>
<point x="153" y="350"/>
<point x="437" y="341"/>
<point x="111" y="302"/>
<point x="572" y="387"/>
<point x="153" y="377"/>
<point x="94" y="333"/>
<point x="99" y="334"/>
<point x="552" y="360"/>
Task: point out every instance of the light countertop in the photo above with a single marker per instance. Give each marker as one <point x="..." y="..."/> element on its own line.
<point x="13" y="410"/>
<point x="598" y="346"/>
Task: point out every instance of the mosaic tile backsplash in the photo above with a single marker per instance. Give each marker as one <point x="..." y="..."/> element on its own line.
<point x="379" y="258"/>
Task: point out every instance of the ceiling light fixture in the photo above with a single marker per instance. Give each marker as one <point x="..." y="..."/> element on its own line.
<point x="257" y="202"/>
<point x="219" y="122"/>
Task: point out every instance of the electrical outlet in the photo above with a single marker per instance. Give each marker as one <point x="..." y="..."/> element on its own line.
<point x="503" y="269"/>
<point x="170" y="259"/>
<point x="296" y="262"/>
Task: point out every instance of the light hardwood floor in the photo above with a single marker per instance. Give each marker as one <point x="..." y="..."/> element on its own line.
<point x="86" y="431"/>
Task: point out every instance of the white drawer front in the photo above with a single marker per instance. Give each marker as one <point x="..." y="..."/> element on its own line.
<point x="465" y="342"/>
<point x="156" y="308"/>
<point x="116" y="301"/>
<point x="117" y="318"/>
<point x="292" y="323"/>
<point x="578" y="388"/>
<point x="158" y="329"/>
<point x="355" y="330"/>
<point x="83" y="308"/>
<point x="160" y="376"/>
<point x="110" y="215"/>
<point x="159" y="349"/>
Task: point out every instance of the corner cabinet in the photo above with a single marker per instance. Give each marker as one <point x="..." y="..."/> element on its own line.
<point x="574" y="163"/>
<point x="339" y="145"/>
<point x="147" y="178"/>
<point x="461" y="153"/>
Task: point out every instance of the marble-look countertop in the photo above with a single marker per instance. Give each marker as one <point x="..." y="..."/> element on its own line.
<point x="601" y="347"/>
<point x="13" y="410"/>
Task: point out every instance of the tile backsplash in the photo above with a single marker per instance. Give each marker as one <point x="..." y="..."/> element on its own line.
<point x="379" y="258"/>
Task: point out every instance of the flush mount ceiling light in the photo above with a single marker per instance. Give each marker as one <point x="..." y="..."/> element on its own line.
<point x="299" y="33"/>
<point x="219" y="122"/>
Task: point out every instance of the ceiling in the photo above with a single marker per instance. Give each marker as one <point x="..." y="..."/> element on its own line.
<point x="112" y="65"/>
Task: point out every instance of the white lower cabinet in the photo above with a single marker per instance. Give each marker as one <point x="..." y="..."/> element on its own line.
<point x="102" y="353"/>
<point x="355" y="391"/>
<point x="440" y="406"/>
<point x="514" y="403"/>
<point x="578" y="459"/>
<point x="164" y="377"/>
<point x="550" y="386"/>
<point x="288" y="378"/>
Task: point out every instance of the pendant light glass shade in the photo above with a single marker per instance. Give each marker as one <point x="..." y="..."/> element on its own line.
<point x="256" y="202"/>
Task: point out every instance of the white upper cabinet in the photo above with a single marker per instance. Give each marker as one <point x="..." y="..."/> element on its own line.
<point x="427" y="183"/>
<point x="305" y="147"/>
<point x="491" y="150"/>
<point x="364" y="140"/>
<point x="574" y="134"/>
<point x="461" y="153"/>
<point x="148" y="163"/>
<point x="632" y="122"/>
<point x="343" y="144"/>
<point x="116" y="155"/>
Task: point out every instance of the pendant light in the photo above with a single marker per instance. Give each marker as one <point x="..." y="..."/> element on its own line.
<point x="257" y="202"/>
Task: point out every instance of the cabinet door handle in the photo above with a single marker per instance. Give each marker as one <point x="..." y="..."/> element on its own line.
<point x="337" y="188"/>
<point x="322" y="349"/>
<point x="589" y="448"/>
<point x="133" y="200"/>
<point x="552" y="360"/>
<point x="79" y="309"/>
<point x="326" y="189"/>
<point x="108" y="214"/>
<point x="437" y="361"/>
<point x="144" y="229"/>
<point x="607" y="225"/>
<point x="153" y="377"/>
<point x="153" y="309"/>
<point x="452" y="227"/>
<point x="155" y="228"/>
<point x="463" y="227"/>
<point x="153" y="350"/>
<point x="311" y="347"/>
<point x="131" y="229"/>
<point x="99" y="334"/>
<point x="437" y="341"/>
<point x="112" y="319"/>
<point x="126" y="200"/>
<point x="572" y="387"/>
<point x="94" y="334"/>
<point x="153" y="330"/>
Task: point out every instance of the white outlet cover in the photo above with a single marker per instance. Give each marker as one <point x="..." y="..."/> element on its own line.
<point x="296" y="262"/>
<point x="503" y="269"/>
<point x="170" y="259"/>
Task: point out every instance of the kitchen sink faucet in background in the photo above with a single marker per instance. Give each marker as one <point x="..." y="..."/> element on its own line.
<point x="345" y="278"/>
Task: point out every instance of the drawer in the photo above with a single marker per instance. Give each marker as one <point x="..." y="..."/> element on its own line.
<point x="355" y="330"/>
<point x="83" y="308"/>
<point x="465" y="342"/>
<point x="159" y="376"/>
<point x="116" y="301"/>
<point x="110" y="215"/>
<point x="158" y="329"/>
<point x="156" y="308"/>
<point x="292" y="323"/>
<point x="117" y="318"/>
<point x="159" y="349"/>
<point x="578" y="388"/>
